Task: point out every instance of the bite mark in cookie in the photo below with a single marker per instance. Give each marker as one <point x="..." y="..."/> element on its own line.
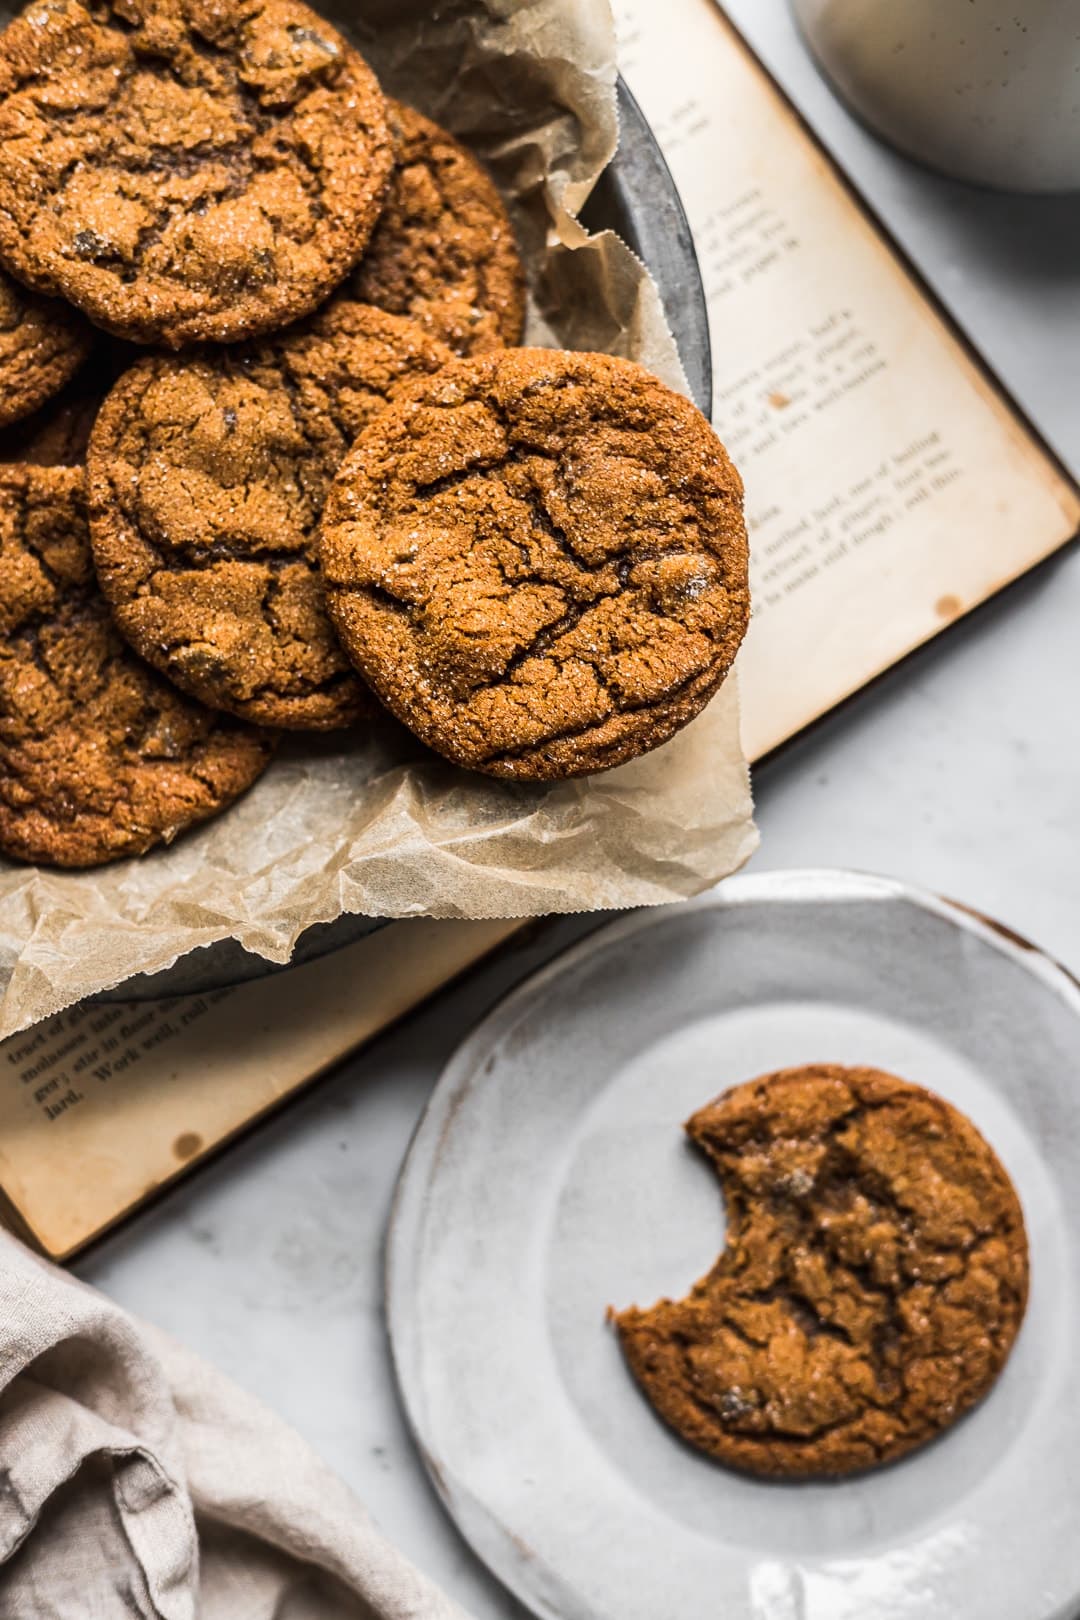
<point x="873" y="1282"/>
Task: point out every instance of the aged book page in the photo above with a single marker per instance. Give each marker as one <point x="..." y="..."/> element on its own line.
<point x="105" y="1103"/>
<point x="890" y="487"/>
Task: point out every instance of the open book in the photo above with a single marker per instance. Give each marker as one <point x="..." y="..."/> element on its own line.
<point x="890" y="484"/>
<point x="890" y="487"/>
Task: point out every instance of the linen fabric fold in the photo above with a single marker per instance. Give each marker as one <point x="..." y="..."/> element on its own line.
<point x="137" y="1480"/>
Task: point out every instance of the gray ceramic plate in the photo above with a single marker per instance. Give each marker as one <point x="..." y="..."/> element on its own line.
<point x="636" y="197"/>
<point x="549" y="1178"/>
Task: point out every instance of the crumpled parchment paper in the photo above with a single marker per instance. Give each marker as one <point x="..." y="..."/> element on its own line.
<point x="382" y="827"/>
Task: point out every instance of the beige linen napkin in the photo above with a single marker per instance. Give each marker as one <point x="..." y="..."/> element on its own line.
<point x="135" y="1480"/>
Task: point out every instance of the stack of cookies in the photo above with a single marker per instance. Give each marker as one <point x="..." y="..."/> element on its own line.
<point x="270" y="461"/>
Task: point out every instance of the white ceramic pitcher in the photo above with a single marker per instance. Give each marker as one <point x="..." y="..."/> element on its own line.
<point x="988" y="90"/>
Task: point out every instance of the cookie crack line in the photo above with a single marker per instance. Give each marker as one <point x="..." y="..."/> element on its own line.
<point x="291" y="390"/>
<point x="194" y="558"/>
<point x="567" y="622"/>
<point x="626" y="710"/>
<point x="522" y="455"/>
<point x="379" y="594"/>
<point x="707" y="1409"/>
<point x="786" y="1438"/>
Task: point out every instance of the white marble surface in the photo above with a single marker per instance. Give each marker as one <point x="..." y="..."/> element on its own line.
<point x="959" y="771"/>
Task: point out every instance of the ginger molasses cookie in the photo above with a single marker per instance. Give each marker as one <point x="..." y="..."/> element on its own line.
<point x="874" y="1279"/>
<point x="184" y="170"/>
<point x="57" y="435"/>
<point x="444" y="250"/>
<point x="207" y="480"/>
<point x="538" y="561"/>
<point x="42" y="344"/>
<point x="99" y="757"/>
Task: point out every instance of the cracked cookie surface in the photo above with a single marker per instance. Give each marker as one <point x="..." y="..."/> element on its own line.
<point x="42" y="345"/>
<point x="183" y="170"/>
<point x="874" y="1279"/>
<point x="99" y="757"/>
<point x="444" y="249"/>
<point x="207" y="481"/>
<point x="539" y="562"/>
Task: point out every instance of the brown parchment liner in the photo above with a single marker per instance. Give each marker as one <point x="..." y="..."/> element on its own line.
<point x="381" y="826"/>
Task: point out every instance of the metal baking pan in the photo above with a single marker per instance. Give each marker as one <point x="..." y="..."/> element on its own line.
<point x="637" y="198"/>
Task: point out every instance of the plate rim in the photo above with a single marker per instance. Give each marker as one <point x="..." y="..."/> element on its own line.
<point x="800" y="884"/>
